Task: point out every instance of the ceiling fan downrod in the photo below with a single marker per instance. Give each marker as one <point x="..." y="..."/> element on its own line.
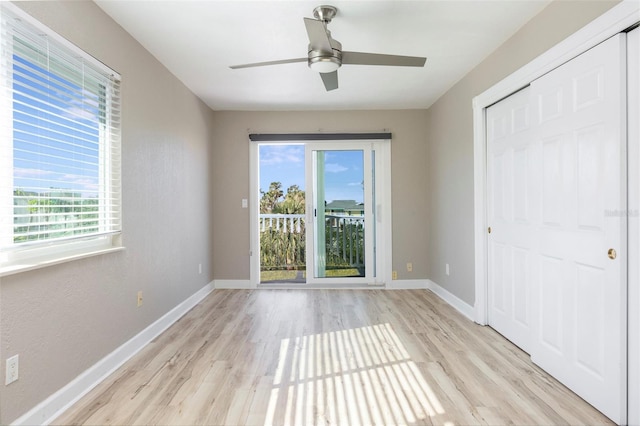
<point x="325" y="13"/>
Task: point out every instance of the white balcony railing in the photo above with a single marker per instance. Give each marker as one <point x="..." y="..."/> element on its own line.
<point x="293" y="223"/>
<point x="282" y="241"/>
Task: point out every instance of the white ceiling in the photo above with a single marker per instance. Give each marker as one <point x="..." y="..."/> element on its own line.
<point x="198" y="41"/>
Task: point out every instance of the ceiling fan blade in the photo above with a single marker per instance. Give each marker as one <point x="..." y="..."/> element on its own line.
<point x="262" y="64"/>
<point x="318" y="37"/>
<point x="359" y="58"/>
<point x="330" y="80"/>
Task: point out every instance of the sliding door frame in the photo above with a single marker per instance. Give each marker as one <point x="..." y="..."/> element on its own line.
<point x="382" y="144"/>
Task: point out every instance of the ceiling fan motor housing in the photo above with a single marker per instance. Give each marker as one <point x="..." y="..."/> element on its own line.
<point x="323" y="61"/>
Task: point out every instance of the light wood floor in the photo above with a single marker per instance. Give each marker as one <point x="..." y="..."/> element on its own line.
<point x="329" y="357"/>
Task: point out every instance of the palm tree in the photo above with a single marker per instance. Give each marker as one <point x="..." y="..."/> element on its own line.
<point x="293" y="202"/>
<point x="271" y="198"/>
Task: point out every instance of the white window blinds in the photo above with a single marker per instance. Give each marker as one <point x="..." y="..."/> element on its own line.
<point x="59" y="136"/>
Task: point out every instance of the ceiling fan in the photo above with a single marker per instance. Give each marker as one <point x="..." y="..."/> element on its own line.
<point x="326" y="55"/>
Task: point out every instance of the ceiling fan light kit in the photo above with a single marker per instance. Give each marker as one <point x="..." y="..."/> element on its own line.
<point x="324" y="64"/>
<point x="325" y="54"/>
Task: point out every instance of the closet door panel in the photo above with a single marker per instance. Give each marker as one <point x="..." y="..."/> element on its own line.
<point x="512" y="191"/>
<point x="580" y="290"/>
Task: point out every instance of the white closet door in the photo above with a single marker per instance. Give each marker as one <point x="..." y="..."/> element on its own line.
<point x="513" y="191"/>
<point x="580" y="290"/>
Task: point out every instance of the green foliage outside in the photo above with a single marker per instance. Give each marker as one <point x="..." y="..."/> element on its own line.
<point x="274" y="201"/>
<point x="56" y="214"/>
<point x="285" y="251"/>
<point x="282" y="250"/>
<point x="344" y="241"/>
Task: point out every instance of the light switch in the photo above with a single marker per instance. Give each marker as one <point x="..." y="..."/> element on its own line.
<point x="245" y="203"/>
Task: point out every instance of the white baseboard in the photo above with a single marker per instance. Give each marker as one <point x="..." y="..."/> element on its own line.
<point x="407" y="285"/>
<point x="461" y="306"/>
<point x="52" y="407"/>
<point x="234" y="284"/>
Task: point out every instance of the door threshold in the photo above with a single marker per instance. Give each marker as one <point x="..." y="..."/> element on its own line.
<point x="304" y="286"/>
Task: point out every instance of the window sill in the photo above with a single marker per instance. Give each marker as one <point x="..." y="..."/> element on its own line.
<point x="50" y="260"/>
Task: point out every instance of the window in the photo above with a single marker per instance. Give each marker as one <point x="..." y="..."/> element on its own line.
<point x="59" y="147"/>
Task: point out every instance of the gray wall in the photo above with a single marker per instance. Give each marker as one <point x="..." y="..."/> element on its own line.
<point x="450" y="141"/>
<point x="63" y="319"/>
<point x="231" y="179"/>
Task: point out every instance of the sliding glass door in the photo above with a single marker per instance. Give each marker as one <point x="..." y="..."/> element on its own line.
<point x="343" y="235"/>
<point x="324" y="228"/>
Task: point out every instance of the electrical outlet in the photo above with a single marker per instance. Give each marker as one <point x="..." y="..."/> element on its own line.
<point x="139" y="298"/>
<point x="394" y="275"/>
<point x="11" y="373"/>
<point x="409" y="267"/>
<point x="199" y="268"/>
<point x="446" y="268"/>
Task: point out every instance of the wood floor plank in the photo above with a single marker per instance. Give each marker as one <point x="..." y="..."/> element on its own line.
<point x="330" y="357"/>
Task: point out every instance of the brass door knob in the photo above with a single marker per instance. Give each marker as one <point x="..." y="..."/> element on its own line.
<point x="612" y="253"/>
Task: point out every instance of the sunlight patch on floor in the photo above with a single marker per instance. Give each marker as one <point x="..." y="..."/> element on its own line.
<point x="355" y="376"/>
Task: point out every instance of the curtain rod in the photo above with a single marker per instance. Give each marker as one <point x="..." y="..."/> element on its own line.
<point x="278" y="137"/>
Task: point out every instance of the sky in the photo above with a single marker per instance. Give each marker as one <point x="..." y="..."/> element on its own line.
<point x="284" y="163"/>
<point x="55" y="132"/>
